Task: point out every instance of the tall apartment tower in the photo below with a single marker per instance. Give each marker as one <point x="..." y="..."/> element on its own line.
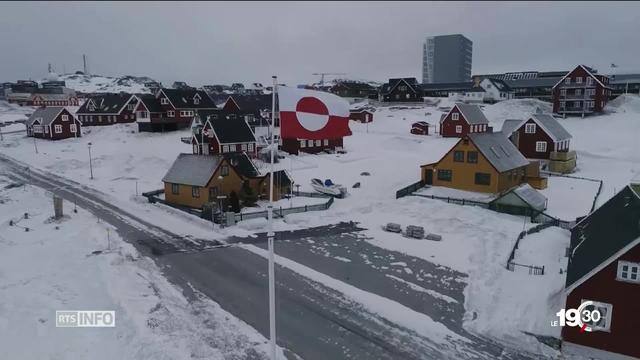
<point x="446" y="59"/>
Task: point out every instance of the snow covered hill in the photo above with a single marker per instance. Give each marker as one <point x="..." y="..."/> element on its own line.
<point x="98" y="83"/>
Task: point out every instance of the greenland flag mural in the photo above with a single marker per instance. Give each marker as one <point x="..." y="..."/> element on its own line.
<point x="312" y="115"/>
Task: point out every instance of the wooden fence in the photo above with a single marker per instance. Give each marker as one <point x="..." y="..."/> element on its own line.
<point x="451" y="200"/>
<point x="408" y="190"/>
<point x="533" y="269"/>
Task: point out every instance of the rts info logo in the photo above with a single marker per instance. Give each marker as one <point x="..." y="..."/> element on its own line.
<point x="583" y="317"/>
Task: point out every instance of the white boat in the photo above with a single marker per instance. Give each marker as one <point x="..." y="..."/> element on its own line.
<point x="328" y="188"/>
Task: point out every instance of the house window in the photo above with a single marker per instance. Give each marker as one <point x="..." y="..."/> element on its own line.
<point x="224" y="170"/>
<point x="99" y="118"/>
<point x="195" y="191"/>
<point x="455" y="116"/>
<point x="171" y="113"/>
<point x="326" y="142"/>
<point x="530" y="128"/>
<point x="303" y="143"/>
<point x="563" y="92"/>
<point x="196" y="149"/>
<point x="91" y="107"/>
<point x="225" y="148"/>
<point x="472" y="157"/>
<point x="563" y="104"/>
<point x="250" y="147"/>
<point x="318" y="142"/>
<point x="458" y="156"/>
<point x="196" y="101"/>
<point x="73" y="128"/>
<point x="578" y="92"/>
<point x="458" y="129"/>
<point x="482" y="179"/>
<point x="164" y="101"/>
<point x="541" y="146"/>
<point x="589" y="81"/>
<point x="243" y="147"/>
<point x="445" y="175"/>
<point x="602" y="104"/>
<point x="65" y="117"/>
<point x="579" y="80"/>
<point x="567" y="81"/>
<point x="143" y="114"/>
<point x="175" y="189"/>
<point x="130" y="107"/>
<point x="58" y="129"/>
<point x="628" y="271"/>
<point x="605" y="310"/>
<point x="232" y="148"/>
<point x="310" y="143"/>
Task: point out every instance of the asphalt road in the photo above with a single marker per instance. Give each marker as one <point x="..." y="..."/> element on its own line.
<point x="314" y="321"/>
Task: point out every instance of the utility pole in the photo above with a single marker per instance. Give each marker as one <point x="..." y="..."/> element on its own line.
<point x="90" y="163"/>
<point x="270" y="233"/>
<point x="84" y="61"/>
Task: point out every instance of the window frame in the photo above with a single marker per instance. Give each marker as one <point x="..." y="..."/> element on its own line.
<point x="175" y="189"/>
<point x="224" y="170"/>
<point x="195" y="192"/>
<point x="171" y="113"/>
<point x="606" y="317"/>
<point x="475" y="178"/>
<point x="64" y="117"/>
<point x="455" y="116"/>
<point x="73" y="128"/>
<point x="458" y="129"/>
<point x="469" y="157"/>
<point x="539" y="146"/>
<point x="303" y="144"/>
<point x="57" y="129"/>
<point x="530" y="128"/>
<point x="440" y="175"/>
<point x="629" y="271"/>
<point x="164" y="101"/>
<point x="457" y="158"/>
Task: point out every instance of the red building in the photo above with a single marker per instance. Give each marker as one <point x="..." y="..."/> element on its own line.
<point x="537" y="137"/>
<point x="53" y="123"/>
<point x="604" y="267"/>
<point x="219" y="132"/>
<point x="108" y="109"/>
<point x="420" y="128"/>
<point x="463" y="119"/>
<point x="54" y="100"/>
<point x="295" y="146"/>
<point x="401" y="90"/>
<point x="361" y="115"/>
<point x="171" y="109"/>
<point x="581" y="92"/>
<point x="256" y="109"/>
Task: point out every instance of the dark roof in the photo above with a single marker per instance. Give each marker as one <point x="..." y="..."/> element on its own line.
<point x="184" y="98"/>
<point x="533" y="83"/>
<point x="281" y="178"/>
<point x="603" y="233"/>
<point x="105" y="103"/>
<point x="45" y="114"/>
<point x="192" y="169"/>
<point x="228" y="127"/>
<point x="355" y="85"/>
<point x="412" y="82"/>
<point x="253" y="103"/>
<point x="472" y="113"/>
<point x="511" y="125"/>
<point x="499" y="151"/>
<point x="461" y="86"/>
<point x="243" y="165"/>
<point x="151" y="103"/>
<point x="500" y="84"/>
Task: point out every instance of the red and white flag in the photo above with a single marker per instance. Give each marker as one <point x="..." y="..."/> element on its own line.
<point x="312" y="115"/>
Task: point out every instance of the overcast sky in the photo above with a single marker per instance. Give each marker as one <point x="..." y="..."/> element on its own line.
<point x="207" y="43"/>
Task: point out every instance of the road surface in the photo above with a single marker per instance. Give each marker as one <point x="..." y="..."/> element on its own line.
<point x="314" y="321"/>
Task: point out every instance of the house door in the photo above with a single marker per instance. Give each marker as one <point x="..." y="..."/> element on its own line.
<point x="205" y="149"/>
<point x="429" y="177"/>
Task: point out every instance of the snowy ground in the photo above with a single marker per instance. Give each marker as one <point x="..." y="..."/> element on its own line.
<point x="52" y="267"/>
<point x="475" y="241"/>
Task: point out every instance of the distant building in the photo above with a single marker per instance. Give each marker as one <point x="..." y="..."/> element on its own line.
<point x="354" y="91"/>
<point x="363" y="115"/>
<point x="171" y="109"/>
<point x="604" y="267"/>
<point x="528" y="84"/>
<point x="463" y="119"/>
<point x="401" y="90"/>
<point x="446" y="59"/>
<point x="538" y="136"/>
<point x="624" y="84"/>
<point x="53" y="123"/>
<point x="108" y="109"/>
<point x="581" y="92"/>
<point x="218" y="132"/>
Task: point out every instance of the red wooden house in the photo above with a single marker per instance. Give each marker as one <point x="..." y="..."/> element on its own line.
<point x="171" y="109"/>
<point x="108" y="109"/>
<point x="401" y="90"/>
<point x="537" y="137"/>
<point x="362" y="115"/>
<point x="581" y="92"/>
<point x="295" y="146"/>
<point x="53" y="123"/>
<point x="604" y="267"/>
<point x="420" y="128"/>
<point x="219" y="132"/>
<point x="463" y="119"/>
<point x="256" y="109"/>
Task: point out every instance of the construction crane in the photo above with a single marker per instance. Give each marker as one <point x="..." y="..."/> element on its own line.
<point x="322" y="74"/>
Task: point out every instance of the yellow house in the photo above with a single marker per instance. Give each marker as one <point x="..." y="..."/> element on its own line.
<point x="194" y="180"/>
<point x="480" y="162"/>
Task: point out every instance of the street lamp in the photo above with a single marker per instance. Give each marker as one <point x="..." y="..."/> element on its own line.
<point x="90" y="163"/>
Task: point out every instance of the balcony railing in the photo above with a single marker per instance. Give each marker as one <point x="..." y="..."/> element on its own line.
<point x="577" y="97"/>
<point x="575" y="85"/>
<point x="576" y="110"/>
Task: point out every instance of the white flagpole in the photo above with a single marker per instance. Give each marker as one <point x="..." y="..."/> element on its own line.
<point x="270" y="233"/>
